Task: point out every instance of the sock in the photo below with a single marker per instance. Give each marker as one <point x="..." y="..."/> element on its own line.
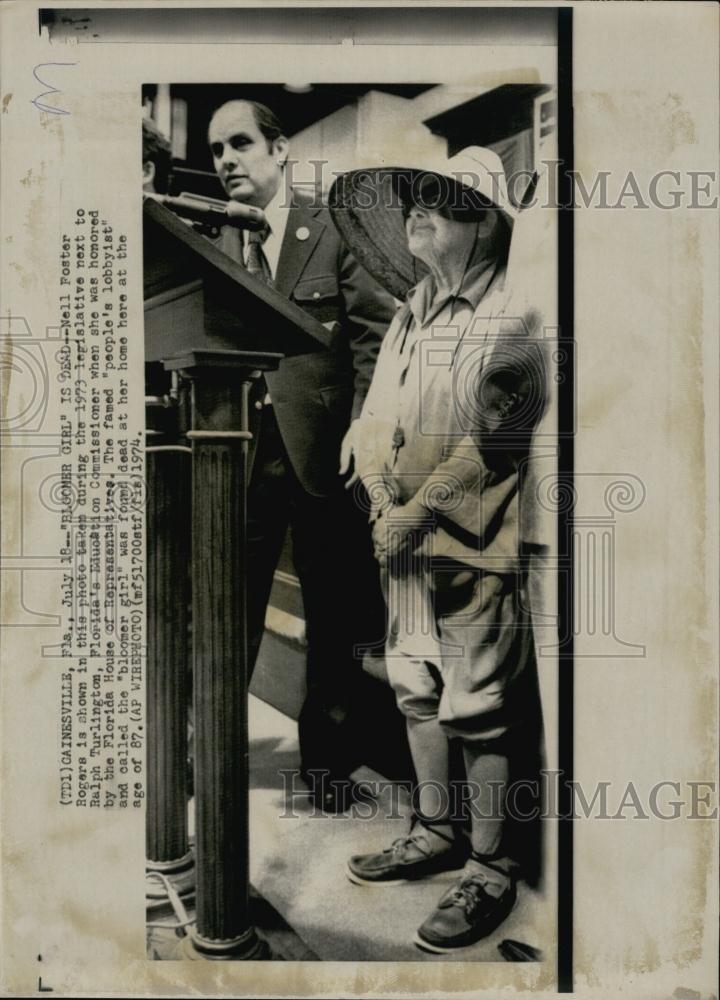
<point x="487" y="773"/>
<point x="431" y="799"/>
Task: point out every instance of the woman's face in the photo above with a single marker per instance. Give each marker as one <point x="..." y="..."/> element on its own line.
<point x="434" y="236"/>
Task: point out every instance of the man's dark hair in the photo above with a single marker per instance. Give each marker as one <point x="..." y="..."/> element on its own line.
<point x="156" y="149"/>
<point x="267" y="121"/>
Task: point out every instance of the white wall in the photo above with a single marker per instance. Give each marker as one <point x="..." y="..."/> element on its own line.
<point x="382" y="129"/>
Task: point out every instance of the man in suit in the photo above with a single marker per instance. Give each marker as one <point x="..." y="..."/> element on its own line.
<point x="302" y="427"/>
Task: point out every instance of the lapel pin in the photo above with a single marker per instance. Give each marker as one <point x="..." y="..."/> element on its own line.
<point x="302" y="233"/>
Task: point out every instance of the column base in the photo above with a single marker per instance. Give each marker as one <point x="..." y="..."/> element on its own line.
<point x="248" y="947"/>
<point x="180" y="873"/>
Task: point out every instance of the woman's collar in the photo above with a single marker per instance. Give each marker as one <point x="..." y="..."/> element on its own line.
<point x="425" y="301"/>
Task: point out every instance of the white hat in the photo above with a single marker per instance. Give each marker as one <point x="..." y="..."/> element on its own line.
<point x="367" y="207"/>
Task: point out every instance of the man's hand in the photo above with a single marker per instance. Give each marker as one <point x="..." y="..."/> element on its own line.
<point x="347" y="451"/>
<point x="400" y="527"/>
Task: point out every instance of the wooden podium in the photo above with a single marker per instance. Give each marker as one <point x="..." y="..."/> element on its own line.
<point x="210" y="330"/>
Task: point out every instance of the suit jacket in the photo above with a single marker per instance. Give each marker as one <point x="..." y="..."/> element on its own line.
<point x="316" y="395"/>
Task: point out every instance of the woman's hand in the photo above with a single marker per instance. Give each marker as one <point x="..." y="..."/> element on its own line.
<point x="400" y="527"/>
<point x="347" y="454"/>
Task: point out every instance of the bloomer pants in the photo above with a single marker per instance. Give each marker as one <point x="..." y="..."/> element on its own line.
<point x="469" y="673"/>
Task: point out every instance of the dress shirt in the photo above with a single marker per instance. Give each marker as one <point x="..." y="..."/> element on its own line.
<point x="276" y="213"/>
<point x="234" y="242"/>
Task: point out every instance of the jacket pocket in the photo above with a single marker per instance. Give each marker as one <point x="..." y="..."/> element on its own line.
<point x="316" y="289"/>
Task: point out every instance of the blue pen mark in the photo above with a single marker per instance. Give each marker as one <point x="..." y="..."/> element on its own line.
<point x="37" y="102"/>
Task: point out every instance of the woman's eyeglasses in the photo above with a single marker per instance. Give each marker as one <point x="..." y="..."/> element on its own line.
<point x="437" y="197"/>
<point x="429" y="195"/>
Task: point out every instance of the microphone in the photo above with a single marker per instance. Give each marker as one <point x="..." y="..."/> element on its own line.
<point x="212" y="213"/>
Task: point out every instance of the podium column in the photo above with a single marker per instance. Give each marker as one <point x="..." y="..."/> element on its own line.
<point x="168" y="528"/>
<point x="220" y="439"/>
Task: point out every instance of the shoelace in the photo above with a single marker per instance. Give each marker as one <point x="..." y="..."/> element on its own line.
<point x="401" y="843"/>
<point x="469" y="892"/>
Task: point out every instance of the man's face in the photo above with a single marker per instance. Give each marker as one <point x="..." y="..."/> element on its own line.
<point x="249" y="167"/>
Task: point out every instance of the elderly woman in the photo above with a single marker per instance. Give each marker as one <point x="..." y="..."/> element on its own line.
<point x="437" y="447"/>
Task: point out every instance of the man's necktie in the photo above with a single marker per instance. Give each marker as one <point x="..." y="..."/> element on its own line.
<point x="257" y="264"/>
<point x="256" y="261"/>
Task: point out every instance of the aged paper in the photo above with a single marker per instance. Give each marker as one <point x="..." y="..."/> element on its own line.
<point x="628" y="905"/>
